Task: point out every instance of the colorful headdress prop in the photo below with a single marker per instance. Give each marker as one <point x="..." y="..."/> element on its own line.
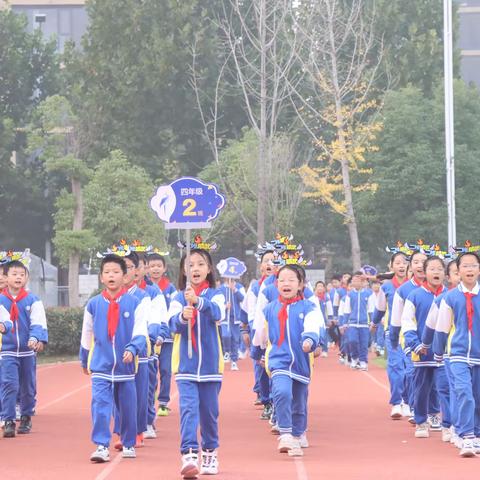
<point x="156" y="250"/>
<point x="283" y="243"/>
<point x="436" y="251"/>
<point x="263" y="249"/>
<point x="400" y="248"/>
<point x="11" y="256"/>
<point x="231" y="267"/>
<point x="137" y="246"/>
<point x="199" y="244"/>
<point x="468" y="247"/>
<point x="121" y="250"/>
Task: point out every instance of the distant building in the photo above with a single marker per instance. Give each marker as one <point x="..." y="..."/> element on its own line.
<point x="469" y="40"/>
<point x="66" y="20"/>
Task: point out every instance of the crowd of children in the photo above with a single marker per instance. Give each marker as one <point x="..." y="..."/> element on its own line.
<point x="139" y="331"/>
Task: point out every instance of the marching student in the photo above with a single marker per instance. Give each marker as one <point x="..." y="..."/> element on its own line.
<point x="157" y="268"/>
<point x="23" y="329"/>
<point x="378" y="336"/>
<point x="458" y="332"/>
<point x="292" y="335"/>
<point x="356" y="320"/>
<point x="234" y="294"/>
<point x="428" y="375"/>
<point x="201" y="306"/>
<point x="327" y="311"/>
<point x="395" y="357"/>
<point x="114" y="333"/>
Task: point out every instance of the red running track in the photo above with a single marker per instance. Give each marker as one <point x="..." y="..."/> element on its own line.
<point x="350" y="434"/>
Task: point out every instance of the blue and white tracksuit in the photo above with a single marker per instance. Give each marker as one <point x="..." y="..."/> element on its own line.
<point x="399" y="298"/>
<point x="429" y="378"/>
<point x="231" y="324"/>
<point x="395" y="356"/>
<point x="326" y="308"/>
<point x="113" y="381"/>
<point x="198" y="378"/>
<point x="165" y="355"/>
<point x="290" y="368"/>
<point x="17" y="361"/>
<point x="462" y="344"/>
<point x="356" y="318"/>
<point x="379" y="337"/>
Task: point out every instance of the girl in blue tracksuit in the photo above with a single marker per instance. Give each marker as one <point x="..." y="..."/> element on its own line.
<point x="234" y="294"/>
<point x="458" y="331"/>
<point x="114" y="333"/>
<point x="23" y="329"/>
<point x="326" y="308"/>
<point x="292" y="334"/>
<point x="200" y="306"/>
<point x="428" y="375"/>
<point x="427" y="339"/>
<point x="395" y="357"/>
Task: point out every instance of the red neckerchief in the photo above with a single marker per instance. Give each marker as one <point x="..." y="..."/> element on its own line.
<point x="262" y="279"/>
<point x="142" y="284"/>
<point x="130" y="285"/>
<point x="14" y="307"/>
<point x="436" y="292"/>
<point x="163" y="283"/>
<point x="396" y="283"/>
<point x="282" y="315"/>
<point x="470" y="309"/>
<point x="321" y="296"/>
<point x="416" y="282"/>
<point x="113" y="314"/>
<point x="198" y="290"/>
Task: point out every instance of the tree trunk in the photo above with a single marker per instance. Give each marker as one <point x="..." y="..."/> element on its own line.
<point x="74" y="260"/>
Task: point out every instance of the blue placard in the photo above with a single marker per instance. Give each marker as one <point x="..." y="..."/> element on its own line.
<point x="187" y="203"/>
<point x="369" y="270"/>
<point x="231" y="267"/>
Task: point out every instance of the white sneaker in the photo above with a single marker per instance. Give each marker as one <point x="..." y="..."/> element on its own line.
<point x="150" y="432"/>
<point x="422" y="431"/>
<point x="209" y="463"/>
<point x="396" y="413"/>
<point x="452" y="434"/>
<point x="234" y="367"/>
<point x="100" y="455"/>
<point x="242" y="355"/>
<point x="226" y="357"/>
<point x="434" y="422"/>
<point x="363" y="366"/>
<point x="446" y="435"/>
<point x="274" y="430"/>
<point x="458" y="442"/>
<point x="129" y="452"/>
<point x="285" y="443"/>
<point x="296" y="450"/>
<point x="341" y="360"/>
<point x="476" y="445"/>
<point x="304" y="441"/>
<point x="467" y="450"/>
<point x="353" y="363"/>
<point x="189" y="465"/>
<point x="324" y="354"/>
<point x="406" y="412"/>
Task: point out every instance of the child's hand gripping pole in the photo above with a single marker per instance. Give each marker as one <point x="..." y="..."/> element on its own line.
<point x="187" y="263"/>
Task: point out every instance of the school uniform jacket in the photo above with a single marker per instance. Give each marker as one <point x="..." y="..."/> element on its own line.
<point x="452" y="331"/>
<point x="206" y="364"/>
<point x="431" y="322"/>
<point x="383" y="305"/>
<point x="399" y="298"/>
<point x="168" y="294"/>
<point x="356" y="308"/>
<point x="414" y="316"/>
<point x="235" y="298"/>
<point x="102" y="355"/>
<point x="31" y="324"/>
<point x="303" y="322"/>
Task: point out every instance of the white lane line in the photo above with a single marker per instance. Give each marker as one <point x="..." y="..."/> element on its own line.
<point x="301" y="470"/>
<point x="377" y="382"/>
<point x="63" y="397"/>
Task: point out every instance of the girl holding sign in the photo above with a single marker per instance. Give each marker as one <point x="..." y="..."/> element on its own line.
<point x="198" y="378"/>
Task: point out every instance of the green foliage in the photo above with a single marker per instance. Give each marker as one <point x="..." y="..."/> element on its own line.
<point x="64" y="330"/>
<point x="68" y="241"/>
<point x="116" y="203"/>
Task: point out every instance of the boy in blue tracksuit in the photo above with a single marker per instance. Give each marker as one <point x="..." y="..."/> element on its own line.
<point x="429" y="377"/>
<point x="23" y="328"/>
<point x="292" y="334"/>
<point x="157" y="268"/>
<point x="114" y="333"/>
<point x="234" y="294"/>
<point x="356" y="320"/>
<point x="458" y="332"/>
<point x="198" y="363"/>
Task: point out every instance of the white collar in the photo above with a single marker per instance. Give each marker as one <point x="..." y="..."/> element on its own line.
<point x="475" y="290"/>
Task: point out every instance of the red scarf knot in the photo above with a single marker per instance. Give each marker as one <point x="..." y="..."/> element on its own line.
<point x="470" y="310"/>
<point x="142" y="284"/>
<point x="321" y="296"/>
<point x="396" y="283"/>
<point x="283" y="315"/>
<point x="436" y="292"/>
<point x="198" y="290"/>
<point x="14" y="312"/>
<point x="262" y="279"/>
<point x="163" y="283"/>
<point x="113" y="314"/>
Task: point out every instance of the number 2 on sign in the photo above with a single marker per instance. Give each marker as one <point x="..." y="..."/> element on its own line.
<point x="190" y="203"/>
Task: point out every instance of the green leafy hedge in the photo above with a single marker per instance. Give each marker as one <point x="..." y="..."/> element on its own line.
<point x="64" y="330"/>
